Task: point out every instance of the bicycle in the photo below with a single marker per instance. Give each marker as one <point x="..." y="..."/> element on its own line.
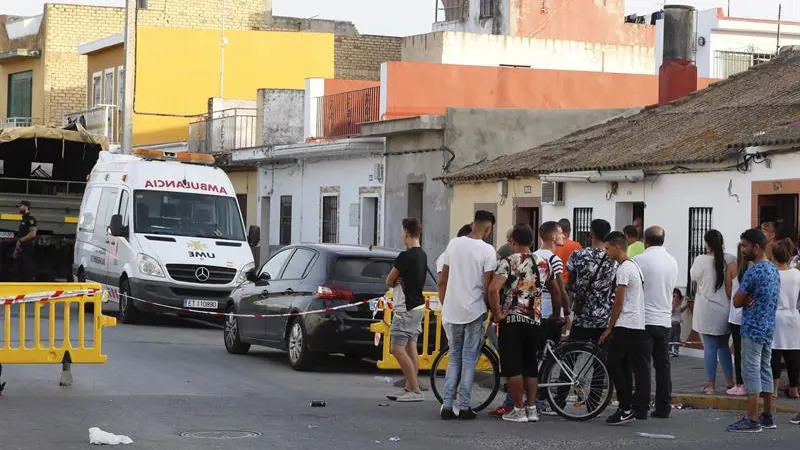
<point x="565" y="385"/>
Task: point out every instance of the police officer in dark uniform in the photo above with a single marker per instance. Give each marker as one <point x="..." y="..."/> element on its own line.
<point x="25" y="238"/>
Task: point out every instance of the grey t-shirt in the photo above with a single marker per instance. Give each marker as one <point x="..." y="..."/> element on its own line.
<point x="505" y="251"/>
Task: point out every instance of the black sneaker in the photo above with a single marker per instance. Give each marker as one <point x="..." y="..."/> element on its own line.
<point x="621" y="417"/>
<point x="640" y="415"/>
<point x="467" y="414"/>
<point x="659" y="415"/>
<point x="447" y="413"/>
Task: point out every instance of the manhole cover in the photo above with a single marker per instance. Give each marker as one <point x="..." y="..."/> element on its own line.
<point x="220" y="434"/>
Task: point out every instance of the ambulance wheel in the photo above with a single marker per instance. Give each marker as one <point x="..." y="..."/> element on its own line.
<point x="128" y="313"/>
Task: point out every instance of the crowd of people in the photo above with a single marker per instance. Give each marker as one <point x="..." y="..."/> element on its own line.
<point x="621" y="293"/>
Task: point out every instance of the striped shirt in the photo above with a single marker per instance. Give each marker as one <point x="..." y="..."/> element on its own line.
<point x="557" y="268"/>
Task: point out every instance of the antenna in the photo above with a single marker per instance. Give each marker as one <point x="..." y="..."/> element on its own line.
<point x="778" y="37"/>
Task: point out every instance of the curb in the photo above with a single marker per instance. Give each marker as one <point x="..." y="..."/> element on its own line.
<point x="725" y="402"/>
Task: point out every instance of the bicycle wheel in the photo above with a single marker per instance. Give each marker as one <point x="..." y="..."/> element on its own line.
<point x="582" y="364"/>
<point x="485" y="385"/>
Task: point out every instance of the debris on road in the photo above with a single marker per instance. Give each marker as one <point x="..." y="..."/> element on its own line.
<point x="318" y="403"/>
<point x="313" y="426"/>
<point x="100" y="437"/>
<point x="394" y="439"/>
<point x="655" y="436"/>
<point x="383" y="404"/>
<point x="386" y="380"/>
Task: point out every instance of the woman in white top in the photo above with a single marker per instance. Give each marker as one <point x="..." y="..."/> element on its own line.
<point x="786" y="340"/>
<point x="711" y="309"/>
<point x="736" y="271"/>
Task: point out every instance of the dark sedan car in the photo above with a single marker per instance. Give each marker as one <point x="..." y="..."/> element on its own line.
<point x="310" y="277"/>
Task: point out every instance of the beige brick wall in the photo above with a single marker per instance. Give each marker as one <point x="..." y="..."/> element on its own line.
<point x="360" y="57"/>
<point x="206" y="14"/>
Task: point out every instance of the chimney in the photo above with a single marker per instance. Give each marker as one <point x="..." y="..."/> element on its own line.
<point x="677" y="76"/>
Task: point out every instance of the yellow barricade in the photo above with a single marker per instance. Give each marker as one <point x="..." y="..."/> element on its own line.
<point x="430" y="345"/>
<point x="52" y="342"/>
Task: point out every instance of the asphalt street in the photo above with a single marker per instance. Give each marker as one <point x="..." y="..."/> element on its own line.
<point x="170" y="377"/>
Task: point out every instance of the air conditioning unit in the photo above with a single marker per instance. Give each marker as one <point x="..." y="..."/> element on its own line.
<point x="552" y="193"/>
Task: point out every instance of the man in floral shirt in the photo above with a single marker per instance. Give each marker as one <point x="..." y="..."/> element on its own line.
<point x="591" y="278"/>
<point x="524" y="276"/>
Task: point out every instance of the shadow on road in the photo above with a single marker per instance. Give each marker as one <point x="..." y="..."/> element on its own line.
<point x="333" y="364"/>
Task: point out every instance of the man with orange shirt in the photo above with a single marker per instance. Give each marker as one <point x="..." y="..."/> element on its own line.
<point x="569" y="247"/>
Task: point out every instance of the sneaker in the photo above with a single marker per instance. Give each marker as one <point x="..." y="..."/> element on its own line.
<point x="795" y="420"/>
<point x="745" y="425"/>
<point x="660" y="414"/>
<point x="447" y="413"/>
<point x="516" y="415"/>
<point x="411" y="396"/>
<point x="621" y="417"/>
<point x="737" y="391"/>
<point x="467" y="414"/>
<point x="500" y="411"/>
<point x="395" y="395"/>
<point x="533" y="413"/>
<point x="545" y="409"/>
<point x="640" y="415"/>
<point x="767" y="421"/>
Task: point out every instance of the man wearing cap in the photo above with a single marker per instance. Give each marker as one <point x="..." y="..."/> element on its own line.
<point x="23" y="253"/>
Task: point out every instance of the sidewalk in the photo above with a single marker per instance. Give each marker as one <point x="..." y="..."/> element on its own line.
<point x="688" y="379"/>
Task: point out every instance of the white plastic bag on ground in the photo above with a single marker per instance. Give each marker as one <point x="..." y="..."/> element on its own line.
<point x="100" y="437"/>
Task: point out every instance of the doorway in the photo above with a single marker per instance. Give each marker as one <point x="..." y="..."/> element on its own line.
<point x="529" y="216"/>
<point x="369" y="221"/>
<point x="627" y="213"/>
<point x="781" y="209"/>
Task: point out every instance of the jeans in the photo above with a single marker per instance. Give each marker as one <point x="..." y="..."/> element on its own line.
<point x="466" y="341"/>
<point x="675" y="338"/>
<point x="628" y="362"/>
<point x="660" y="352"/>
<point x="756" y="366"/>
<point x="737" y="352"/>
<point x="714" y="347"/>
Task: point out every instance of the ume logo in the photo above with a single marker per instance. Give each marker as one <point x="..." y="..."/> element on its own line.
<point x="209" y="255"/>
<point x="185" y="185"/>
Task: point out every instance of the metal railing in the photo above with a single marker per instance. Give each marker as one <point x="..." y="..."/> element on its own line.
<point x="340" y="115"/>
<point x="729" y="63"/>
<point x="487" y="9"/>
<point x="34" y="186"/>
<point x="16" y="122"/>
<point x="103" y="120"/>
<point x="451" y="10"/>
<point x="224" y="130"/>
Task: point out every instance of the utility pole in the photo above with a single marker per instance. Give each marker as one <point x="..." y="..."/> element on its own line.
<point x="729" y="8"/>
<point x="130" y="75"/>
<point x="223" y="41"/>
<point x="778" y="39"/>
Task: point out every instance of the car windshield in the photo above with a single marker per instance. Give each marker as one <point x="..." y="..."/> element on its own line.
<point x="184" y="214"/>
<point x="369" y="270"/>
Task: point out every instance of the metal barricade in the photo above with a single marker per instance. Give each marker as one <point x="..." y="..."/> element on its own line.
<point x="52" y="311"/>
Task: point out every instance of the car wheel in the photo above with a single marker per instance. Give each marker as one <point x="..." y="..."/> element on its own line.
<point x="300" y="358"/>
<point x="233" y="341"/>
<point x="128" y="313"/>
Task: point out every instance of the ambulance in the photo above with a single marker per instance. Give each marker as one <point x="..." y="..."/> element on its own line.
<point x="162" y="232"/>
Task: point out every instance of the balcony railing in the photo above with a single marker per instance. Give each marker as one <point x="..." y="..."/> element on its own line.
<point x="16" y="122"/>
<point x="729" y="63"/>
<point x="102" y="119"/>
<point x="341" y="115"/>
<point x="452" y="10"/>
<point x="223" y="131"/>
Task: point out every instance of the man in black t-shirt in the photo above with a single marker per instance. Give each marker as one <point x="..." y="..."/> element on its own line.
<point x="407" y="277"/>
<point x="23" y="253"/>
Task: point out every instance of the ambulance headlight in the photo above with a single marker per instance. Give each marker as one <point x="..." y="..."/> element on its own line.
<point x="149" y="266"/>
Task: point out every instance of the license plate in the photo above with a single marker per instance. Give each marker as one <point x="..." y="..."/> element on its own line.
<point x="200" y="304"/>
<point x="6" y="235"/>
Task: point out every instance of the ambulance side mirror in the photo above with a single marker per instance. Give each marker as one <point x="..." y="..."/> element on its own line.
<point x="116" y="227"/>
<point x="254" y="236"/>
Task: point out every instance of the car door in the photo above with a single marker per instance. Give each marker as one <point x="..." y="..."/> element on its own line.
<point x="287" y="290"/>
<point x="254" y="296"/>
<point x="107" y="208"/>
<point x="118" y="244"/>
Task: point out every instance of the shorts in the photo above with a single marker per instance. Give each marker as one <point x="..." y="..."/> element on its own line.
<point x="406" y="326"/>
<point x="756" y="366"/>
<point x="520" y="344"/>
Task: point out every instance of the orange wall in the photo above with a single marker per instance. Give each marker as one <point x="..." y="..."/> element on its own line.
<point x="334" y="86"/>
<point x="600" y="21"/>
<point x="427" y="88"/>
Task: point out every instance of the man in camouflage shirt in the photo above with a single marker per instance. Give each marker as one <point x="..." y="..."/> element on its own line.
<point x="591" y="278"/>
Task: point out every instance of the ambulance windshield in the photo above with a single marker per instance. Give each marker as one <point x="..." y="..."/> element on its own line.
<point x="184" y="214"/>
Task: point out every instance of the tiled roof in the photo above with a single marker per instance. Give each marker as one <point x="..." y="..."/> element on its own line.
<point x="694" y="129"/>
<point x="784" y="135"/>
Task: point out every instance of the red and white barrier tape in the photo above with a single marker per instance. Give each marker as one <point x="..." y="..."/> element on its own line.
<point x="46" y="296"/>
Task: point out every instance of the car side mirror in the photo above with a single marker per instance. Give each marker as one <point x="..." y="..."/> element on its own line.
<point x="251" y="276"/>
<point x="254" y="235"/>
<point x="115" y="226"/>
<point x="263" y="279"/>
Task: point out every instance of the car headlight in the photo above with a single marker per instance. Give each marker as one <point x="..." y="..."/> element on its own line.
<point x="149" y="266"/>
<point x="243" y="274"/>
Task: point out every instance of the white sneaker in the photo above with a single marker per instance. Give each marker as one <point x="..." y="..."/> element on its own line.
<point x="410" y="396"/>
<point x="533" y="413"/>
<point x="545" y="409"/>
<point x="516" y="415"/>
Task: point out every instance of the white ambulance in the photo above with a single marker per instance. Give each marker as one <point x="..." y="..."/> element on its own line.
<point x="162" y="227"/>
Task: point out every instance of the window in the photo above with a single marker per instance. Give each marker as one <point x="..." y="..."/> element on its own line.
<point x="120" y="85"/>
<point x="699" y="224"/>
<point x="20" y="91"/>
<point x="97" y="89"/>
<point x="369" y="270"/>
<point x="183" y="214"/>
<point x="581" y="225"/>
<point x="298" y="265"/>
<point x="330" y="219"/>
<point x="285" y="237"/>
<point x="108" y="198"/>
<point x="124" y="206"/>
<point x="487" y="9"/>
<point x="275" y="264"/>
<point x="108" y="87"/>
<point x="242" y="200"/>
<point x="91" y="201"/>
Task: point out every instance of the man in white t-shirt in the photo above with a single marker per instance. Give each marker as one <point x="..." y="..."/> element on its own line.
<point x="630" y="346"/>
<point x="467" y="270"/>
<point x="660" y="271"/>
